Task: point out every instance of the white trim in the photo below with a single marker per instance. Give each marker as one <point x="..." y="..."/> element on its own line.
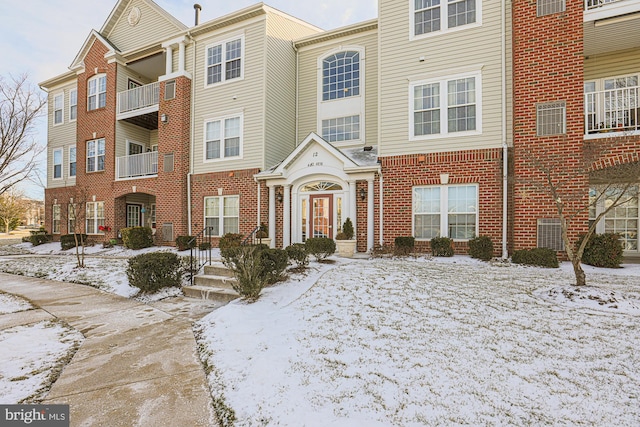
<point x="73" y="105"/>
<point x="58" y="96"/>
<point x="53" y="171"/>
<point x="222" y="43"/>
<point x="221" y="216"/>
<point x="443" y="21"/>
<point x="443" y="80"/>
<point x="97" y="78"/>
<point x="222" y="119"/>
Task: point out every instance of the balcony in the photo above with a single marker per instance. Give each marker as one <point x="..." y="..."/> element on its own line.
<point x="140" y="102"/>
<point x="610" y="25"/>
<point x="614" y="112"/>
<point x="593" y="4"/>
<point x="137" y="165"/>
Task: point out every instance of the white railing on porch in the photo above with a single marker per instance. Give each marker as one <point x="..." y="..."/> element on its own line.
<point x="594" y="4"/>
<point x="615" y="110"/>
<point x="137" y="165"/>
<point x="138" y="98"/>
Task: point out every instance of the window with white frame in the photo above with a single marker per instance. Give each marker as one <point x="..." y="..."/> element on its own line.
<point x="222" y="214"/>
<point x="72" y="161"/>
<point x="551" y="118"/>
<point x="55" y="226"/>
<point x="341" y="129"/>
<point x="623" y="219"/>
<point x="57" y="163"/>
<point x="430" y="16"/>
<point x="95" y="217"/>
<point x="58" y="106"/>
<point x="445" y="211"/>
<point x="223" y="138"/>
<point x="71" y="209"/>
<point x="73" y="104"/>
<point x="341" y="75"/>
<point x="97" y="92"/>
<point x="224" y="61"/>
<point x="95" y="155"/>
<point x="445" y="106"/>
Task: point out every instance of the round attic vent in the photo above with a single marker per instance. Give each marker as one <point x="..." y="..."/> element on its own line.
<point x="134" y="16"/>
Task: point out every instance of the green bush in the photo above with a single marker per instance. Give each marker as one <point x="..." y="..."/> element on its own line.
<point x="155" y="270"/>
<point x="442" y="246"/>
<point x="404" y="245"/>
<point x="347" y="229"/>
<point x="320" y="247"/>
<point x="481" y="248"/>
<point x="68" y="241"/>
<point x="182" y="242"/>
<point x="39" y="239"/>
<point x="137" y="237"/>
<point x="603" y="250"/>
<point x="204" y="246"/>
<point x="298" y="254"/>
<point x="542" y="257"/>
<point x="246" y="264"/>
<point x="274" y="263"/>
<point x="230" y="240"/>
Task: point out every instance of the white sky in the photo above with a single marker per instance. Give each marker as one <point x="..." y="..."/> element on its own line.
<point x="42" y="37"/>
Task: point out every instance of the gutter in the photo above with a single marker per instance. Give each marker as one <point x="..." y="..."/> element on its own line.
<point x="505" y="149"/>
<point x="192" y="141"/>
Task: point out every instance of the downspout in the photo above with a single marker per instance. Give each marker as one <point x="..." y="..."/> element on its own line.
<point x="259" y="193"/>
<point x="381" y="206"/>
<point x="505" y="150"/>
<point x="295" y="49"/>
<point x="191" y="145"/>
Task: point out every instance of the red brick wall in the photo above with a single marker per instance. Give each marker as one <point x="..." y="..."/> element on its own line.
<point x="402" y="173"/>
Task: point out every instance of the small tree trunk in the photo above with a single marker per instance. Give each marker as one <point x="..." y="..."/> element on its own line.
<point x="581" y="278"/>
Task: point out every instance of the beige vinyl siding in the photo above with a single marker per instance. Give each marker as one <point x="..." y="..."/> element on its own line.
<point x="60" y="136"/>
<point x="308" y="85"/>
<point x="612" y="64"/>
<point x="280" y="84"/>
<point x="244" y="96"/>
<point x="454" y="52"/>
<point x="128" y="132"/>
<point x="152" y="27"/>
<point x="125" y="74"/>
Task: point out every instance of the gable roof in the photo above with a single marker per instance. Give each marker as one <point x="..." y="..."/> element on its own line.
<point x="93" y="36"/>
<point x="122" y="5"/>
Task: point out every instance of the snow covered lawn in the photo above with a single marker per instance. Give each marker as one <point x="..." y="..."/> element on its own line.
<point x="431" y="342"/>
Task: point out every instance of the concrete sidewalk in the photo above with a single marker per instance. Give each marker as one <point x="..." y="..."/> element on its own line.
<point x="138" y="364"/>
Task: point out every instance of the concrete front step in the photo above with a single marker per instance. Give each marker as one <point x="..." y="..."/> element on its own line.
<point x="210" y="293"/>
<point x="225" y="282"/>
<point x="217" y="270"/>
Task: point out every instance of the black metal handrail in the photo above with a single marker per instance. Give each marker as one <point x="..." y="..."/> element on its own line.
<point x="251" y="237"/>
<point x="200" y="251"/>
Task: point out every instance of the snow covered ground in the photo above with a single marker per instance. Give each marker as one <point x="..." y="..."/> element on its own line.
<point x="409" y="342"/>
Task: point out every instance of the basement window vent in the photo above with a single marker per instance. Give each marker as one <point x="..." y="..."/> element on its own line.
<point x="169" y="90"/>
<point x="550" y="234"/>
<point x="549" y="7"/>
<point x="167" y="232"/>
<point x="168" y="162"/>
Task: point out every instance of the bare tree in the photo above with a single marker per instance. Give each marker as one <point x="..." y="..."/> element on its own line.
<point x="12" y="208"/>
<point x="75" y="215"/>
<point x="20" y="106"/>
<point x="562" y="182"/>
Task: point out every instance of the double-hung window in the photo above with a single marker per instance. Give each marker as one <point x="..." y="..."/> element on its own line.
<point x="223" y="138"/>
<point x="73" y="104"/>
<point x="97" y="92"/>
<point x="95" y="155"/>
<point x="95" y="217"/>
<point x="55" y="226"/>
<point x="224" y="61"/>
<point x="57" y="163"/>
<point x="447" y="106"/>
<point x="221" y="214"/>
<point x="431" y="16"/>
<point x="341" y="129"/>
<point x="71" y="209"/>
<point x="58" y="106"/>
<point x="445" y="211"/>
<point x="72" y="161"/>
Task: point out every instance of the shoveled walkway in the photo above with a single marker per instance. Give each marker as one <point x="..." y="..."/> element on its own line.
<point x="138" y="364"/>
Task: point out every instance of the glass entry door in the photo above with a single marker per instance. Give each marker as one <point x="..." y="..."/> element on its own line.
<point x="321" y="219"/>
<point x="134" y="216"/>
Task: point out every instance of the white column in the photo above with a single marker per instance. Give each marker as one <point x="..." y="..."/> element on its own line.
<point x="272" y="215"/>
<point x="286" y="216"/>
<point x="370" y="225"/>
<point x="352" y="208"/>
<point x="181" y="57"/>
<point x="169" y="64"/>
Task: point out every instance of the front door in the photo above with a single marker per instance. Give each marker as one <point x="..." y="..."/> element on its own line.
<point x="134" y="216"/>
<point x="321" y="220"/>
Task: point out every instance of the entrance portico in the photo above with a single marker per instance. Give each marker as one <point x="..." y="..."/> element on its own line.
<point x="316" y="188"/>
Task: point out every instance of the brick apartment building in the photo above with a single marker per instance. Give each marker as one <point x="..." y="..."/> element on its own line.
<point x="422" y="122"/>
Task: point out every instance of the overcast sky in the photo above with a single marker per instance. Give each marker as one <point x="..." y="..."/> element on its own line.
<point x="42" y="37"/>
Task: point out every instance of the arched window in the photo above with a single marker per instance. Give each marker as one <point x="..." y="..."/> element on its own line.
<point x="341" y="75"/>
<point x="321" y="186"/>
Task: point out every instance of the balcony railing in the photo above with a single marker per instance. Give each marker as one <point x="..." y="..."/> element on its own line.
<point x="594" y="4"/>
<point x="615" y="110"/>
<point x="139" y="98"/>
<point x="137" y="165"/>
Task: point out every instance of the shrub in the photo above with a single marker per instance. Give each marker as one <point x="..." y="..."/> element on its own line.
<point x="274" y="263"/>
<point x="263" y="232"/>
<point x="246" y="264"/>
<point x="38" y="239"/>
<point x="182" y="242"/>
<point x="603" y="250"/>
<point x="137" y="237"/>
<point x="204" y="246"/>
<point x="542" y="257"/>
<point x="320" y="247"/>
<point x="404" y="245"/>
<point x="481" y="248"/>
<point x="298" y="254"/>
<point x="347" y="229"/>
<point x="153" y="271"/>
<point x="68" y="241"/>
<point x="442" y="246"/>
<point x="230" y="240"/>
